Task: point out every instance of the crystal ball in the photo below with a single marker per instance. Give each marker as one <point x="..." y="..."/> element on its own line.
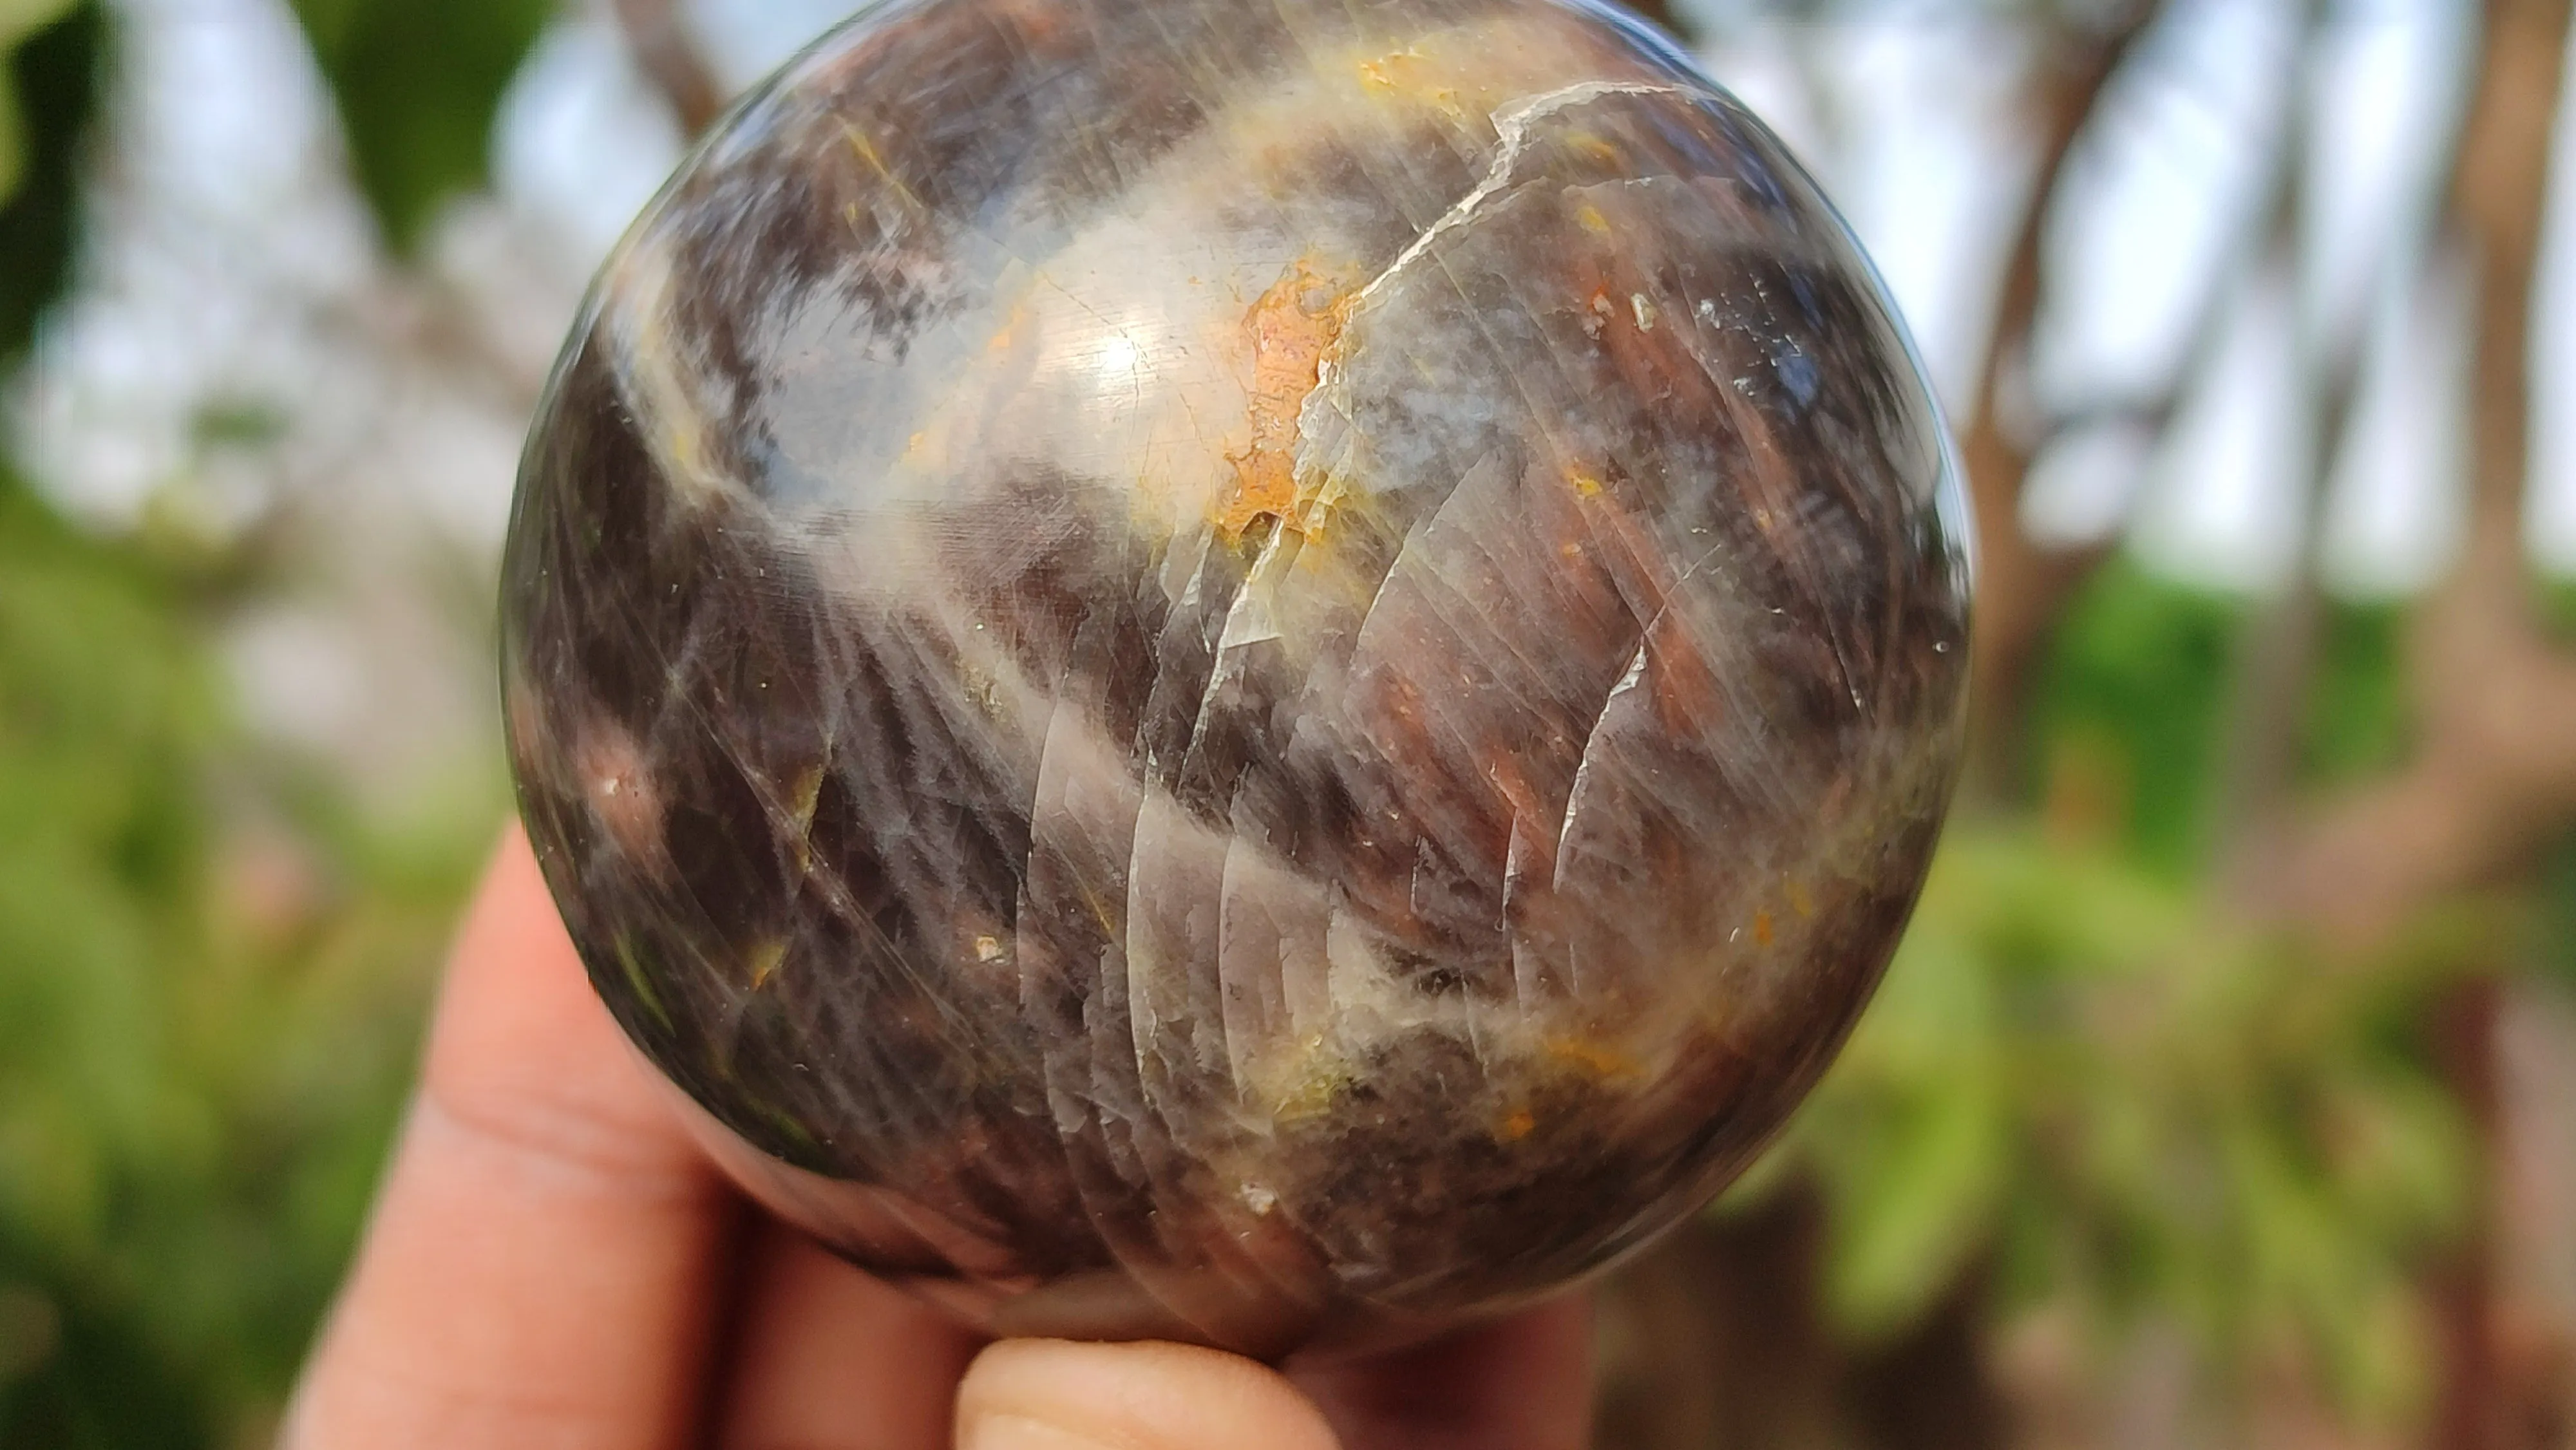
<point x="1273" y="674"/>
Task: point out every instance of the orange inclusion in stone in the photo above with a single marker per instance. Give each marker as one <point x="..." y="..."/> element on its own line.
<point x="1289" y="328"/>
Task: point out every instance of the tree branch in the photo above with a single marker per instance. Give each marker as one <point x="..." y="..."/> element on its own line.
<point x="2493" y="776"/>
<point x="1661" y="14"/>
<point x="2020" y="585"/>
<point x="659" y="37"/>
<point x="2274" y="669"/>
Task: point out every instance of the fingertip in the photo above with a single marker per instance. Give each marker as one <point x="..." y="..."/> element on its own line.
<point x="1044" y="1394"/>
<point x="521" y="1045"/>
<point x="1519" y="1383"/>
<point x="541" y="1262"/>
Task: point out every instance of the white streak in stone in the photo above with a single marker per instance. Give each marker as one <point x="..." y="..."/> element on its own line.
<point x="1247" y="622"/>
<point x="656" y="385"/>
<point x="1574" y="794"/>
<point x="1511" y="128"/>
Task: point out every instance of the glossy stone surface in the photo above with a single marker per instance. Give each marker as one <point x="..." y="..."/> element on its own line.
<point x="1266" y="671"/>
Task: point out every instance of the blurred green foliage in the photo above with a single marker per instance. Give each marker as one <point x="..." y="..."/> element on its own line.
<point x="2129" y="711"/>
<point x="52" y="72"/>
<point x="2087" y="1084"/>
<point x="205" y="1027"/>
<point x="2554" y="923"/>
<point x="2074" y="1078"/>
<point x="211" y="965"/>
<point x="2356" y="717"/>
<point x="101" y="714"/>
<point x="418" y="82"/>
<point x="19" y="19"/>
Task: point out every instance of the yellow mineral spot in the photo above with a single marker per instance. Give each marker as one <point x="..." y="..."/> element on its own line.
<point x="1762" y="928"/>
<point x="1589" y="217"/>
<point x="867" y="153"/>
<point x="639" y="977"/>
<point x="1311" y="523"/>
<point x="682" y="441"/>
<point x="805" y="793"/>
<point x="988" y="949"/>
<point x="1287" y="331"/>
<point x="1111" y="923"/>
<point x="1517" y="1126"/>
<point x="764" y="960"/>
<point x="1008" y="335"/>
<point x="1799" y="901"/>
<point x="1584" y="483"/>
<point x="1314" y="1080"/>
<point x="1597" y="1058"/>
<point x="1411" y="76"/>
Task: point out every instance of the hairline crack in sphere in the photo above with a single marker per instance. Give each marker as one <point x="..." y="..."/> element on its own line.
<point x="1268" y="673"/>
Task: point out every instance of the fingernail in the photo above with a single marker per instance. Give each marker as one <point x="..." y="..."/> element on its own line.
<point x="1004" y="1430"/>
<point x="1051" y="1395"/>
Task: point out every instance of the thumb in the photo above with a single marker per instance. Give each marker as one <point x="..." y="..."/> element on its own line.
<point x="1048" y="1394"/>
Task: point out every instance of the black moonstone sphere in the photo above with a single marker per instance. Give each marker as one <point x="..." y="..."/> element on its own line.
<point x="1270" y="672"/>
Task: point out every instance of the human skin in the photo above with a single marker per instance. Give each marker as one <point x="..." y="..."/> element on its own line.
<point x="554" y="1263"/>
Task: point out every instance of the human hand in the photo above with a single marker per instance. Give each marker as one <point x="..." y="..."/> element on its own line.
<point x="553" y="1263"/>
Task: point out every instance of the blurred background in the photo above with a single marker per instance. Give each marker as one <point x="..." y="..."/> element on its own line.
<point x="2224" y="1092"/>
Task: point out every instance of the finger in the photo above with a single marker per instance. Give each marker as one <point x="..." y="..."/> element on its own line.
<point x="829" y="1359"/>
<point x="1523" y="1383"/>
<point x="543" y="1258"/>
<point x="1046" y="1394"/>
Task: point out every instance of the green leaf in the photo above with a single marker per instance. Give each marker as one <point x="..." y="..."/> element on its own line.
<point x="2088" y="1084"/>
<point x="98" y="1380"/>
<point x="13" y="138"/>
<point x="194" y="1101"/>
<point x="51" y="55"/>
<point x="2135" y="684"/>
<point x="2553" y="947"/>
<point x="1917" y="1205"/>
<point x="18" y="20"/>
<point x="2356" y="722"/>
<point x="417" y="85"/>
<point x="22" y="18"/>
<point x="1919" y="1155"/>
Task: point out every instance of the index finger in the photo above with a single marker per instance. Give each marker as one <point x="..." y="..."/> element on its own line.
<point x="543" y="1261"/>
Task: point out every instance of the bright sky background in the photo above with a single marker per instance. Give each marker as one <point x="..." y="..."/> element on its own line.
<point x="233" y="226"/>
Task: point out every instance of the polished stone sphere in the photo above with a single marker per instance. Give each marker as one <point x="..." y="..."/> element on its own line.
<point x="1271" y="672"/>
